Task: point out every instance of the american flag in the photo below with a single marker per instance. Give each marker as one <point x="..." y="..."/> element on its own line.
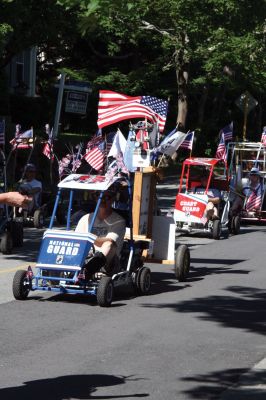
<point x="227" y="131"/>
<point x="22" y="140"/>
<point x="96" y="152"/>
<point x="263" y="136"/>
<point x="254" y="199"/>
<point x="221" y="149"/>
<point x="48" y="147"/>
<point x="2" y="132"/>
<point x="114" y="107"/>
<point x="188" y="142"/>
<point x="109" y="140"/>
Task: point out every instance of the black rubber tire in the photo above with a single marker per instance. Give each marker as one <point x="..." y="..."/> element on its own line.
<point x="38" y="219"/>
<point x="235" y="225"/>
<point x="105" y="292"/>
<point x="143" y="281"/>
<point x="6" y="244"/>
<point x="21" y="285"/>
<point x="216" y="229"/>
<point x="182" y="262"/>
<point x="17" y="233"/>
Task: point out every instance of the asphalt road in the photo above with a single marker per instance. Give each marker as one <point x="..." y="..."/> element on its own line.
<point x="189" y="340"/>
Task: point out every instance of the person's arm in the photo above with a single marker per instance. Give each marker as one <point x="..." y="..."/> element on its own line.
<point x="14" y="199"/>
<point x="214" y="196"/>
<point x="100" y="240"/>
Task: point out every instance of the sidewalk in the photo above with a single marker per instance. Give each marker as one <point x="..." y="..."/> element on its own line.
<point x="251" y="386"/>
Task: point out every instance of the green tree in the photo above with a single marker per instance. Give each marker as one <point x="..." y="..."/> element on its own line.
<point x="208" y="43"/>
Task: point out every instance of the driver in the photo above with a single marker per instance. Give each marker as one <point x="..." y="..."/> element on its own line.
<point x="109" y="227"/>
<point x="214" y="197"/>
<point x="31" y="186"/>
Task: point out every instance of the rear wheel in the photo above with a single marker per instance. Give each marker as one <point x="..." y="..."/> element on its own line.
<point x="38" y="219"/>
<point x="235" y="225"/>
<point x="216" y="229"/>
<point x="182" y="262"/>
<point x="143" y="280"/>
<point x="21" y="285"/>
<point x="6" y="244"/>
<point x="105" y="292"/>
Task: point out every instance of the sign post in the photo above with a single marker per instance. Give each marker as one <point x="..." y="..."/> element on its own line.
<point x="246" y="103"/>
<point x="77" y="98"/>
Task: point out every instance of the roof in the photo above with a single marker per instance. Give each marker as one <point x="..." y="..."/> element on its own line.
<point x="202" y="161"/>
<point x="86" y="182"/>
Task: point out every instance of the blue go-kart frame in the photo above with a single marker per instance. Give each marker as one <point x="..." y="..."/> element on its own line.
<point x="62" y="255"/>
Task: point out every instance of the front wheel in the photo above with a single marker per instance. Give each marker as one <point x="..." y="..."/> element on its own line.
<point x="105" y="291"/>
<point x="235" y="225"/>
<point x="38" y="219"/>
<point x="143" y="280"/>
<point x="6" y="244"/>
<point x="216" y="229"/>
<point x="182" y="262"/>
<point x="21" y="285"/>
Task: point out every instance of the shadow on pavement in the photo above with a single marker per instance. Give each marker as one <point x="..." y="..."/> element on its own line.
<point x="211" y="386"/>
<point x="224" y="385"/>
<point x="68" y="387"/>
<point x="245" y="311"/>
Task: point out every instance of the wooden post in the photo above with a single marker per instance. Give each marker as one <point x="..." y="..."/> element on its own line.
<point x="143" y="202"/>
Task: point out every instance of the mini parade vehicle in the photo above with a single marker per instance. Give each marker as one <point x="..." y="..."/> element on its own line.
<point x="63" y="252"/>
<point x="243" y="157"/>
<point x="190" y="206"/>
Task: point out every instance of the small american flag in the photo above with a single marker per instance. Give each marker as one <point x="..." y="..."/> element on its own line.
<point x="96" y="152"/>
<point x="221" y="149"/>
<point x="114" y="107"/>
<point x="2" y="132"/>
<point x="263" y="136"/>
<point x="188" y="142"/>
<point x="48" y="147"/>
<point x="227" y="131"/>
<point x="254" y="199"/>
<point x="109" y="140"/>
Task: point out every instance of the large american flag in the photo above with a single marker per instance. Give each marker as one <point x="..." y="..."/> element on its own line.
<point x="188" y="142"/>
<point x="221" y="149"/>
<point x="114" y="107"/>
<point x="96" y="152"/>
<point x="227" y="131"/>
<point x="263" y="136"/>
<point x="2" y="132"/>
<point x="254" y="199"/>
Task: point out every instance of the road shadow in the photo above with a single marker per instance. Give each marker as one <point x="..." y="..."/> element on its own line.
<point x="210" y="386"/>
<point x="69" y="387"/>
<point x="244" y="309"/>
<point x="228" y="384"/>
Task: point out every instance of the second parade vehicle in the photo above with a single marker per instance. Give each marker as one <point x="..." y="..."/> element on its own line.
<point x="191" y="205"/>
<point x="64" y="252"/>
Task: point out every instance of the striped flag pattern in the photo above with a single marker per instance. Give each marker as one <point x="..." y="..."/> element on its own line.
<point x="2" y="132"/>
<point x="188" y="142"/>
<point x="114" y="107"/>
<point x="221" y="149"/>
<point x="48" y="147"/>
<point x="254" y="199"/>
<point x="95" y="154"/>
<point x="227" y="131"/>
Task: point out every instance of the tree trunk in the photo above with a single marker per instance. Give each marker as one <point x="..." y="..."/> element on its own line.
<point x="202" y="104"/>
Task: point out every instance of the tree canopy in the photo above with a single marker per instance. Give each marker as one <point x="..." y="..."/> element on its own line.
<point x="200" y="54"/>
